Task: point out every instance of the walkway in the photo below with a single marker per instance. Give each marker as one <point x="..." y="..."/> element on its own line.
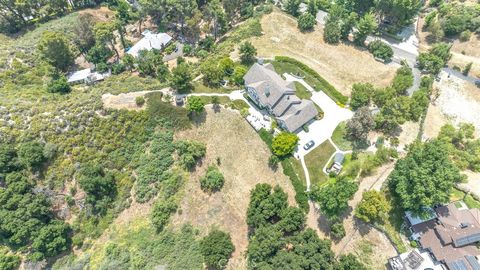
<point x="320" y="130"/>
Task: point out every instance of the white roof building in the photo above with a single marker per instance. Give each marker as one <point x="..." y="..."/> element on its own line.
<point x="86" y="76"/>
<point x="150" y="41"/>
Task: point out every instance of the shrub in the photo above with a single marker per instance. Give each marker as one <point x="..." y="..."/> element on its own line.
<point x="30" y="154"/>
<point x="300" y="196"/>
<point x="216" y="248"/>
<point x="161" y="212"/>
<point x="213" y="180"/>
<point x="306" y="22"/>
<point x="190" y="152"/>
<point x="467" y="68"/>
<point x="338" y="230"/>
<point x="324" y="84"/>
<point x="8" y="261"/>
<point x="273" y="162"/>
<point x="284" y="144"/>
<point x="465" y="35"/>
<point x="139" y="101"/>
<point x="58" y="85"/>
<point x="381" y="50"/>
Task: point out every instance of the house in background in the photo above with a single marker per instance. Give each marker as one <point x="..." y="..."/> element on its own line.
<point x="449" y="235"/>
<point x="271" y="92"/>
<point x="86" y="76"/>
<point x="150" y="41"/>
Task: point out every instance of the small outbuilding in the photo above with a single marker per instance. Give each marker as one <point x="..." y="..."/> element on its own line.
<point x="86" y="76"/>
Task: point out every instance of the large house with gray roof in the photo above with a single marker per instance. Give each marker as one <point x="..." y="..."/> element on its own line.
<point x="271" y="92"/>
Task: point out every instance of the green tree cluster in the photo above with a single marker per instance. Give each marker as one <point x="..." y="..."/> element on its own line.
<point x="216" y="248"/>
<point x="306" y="22"/>
<point x="425" y="177"/>
<point x="435" y="59"/>
<point x="333" y="198"/>
<point x="373" y="207"/>
<point x="99" y="185"/>
<point x="54" y="48"/>
<point x="284" y="143"/>
<point x="463" y="146"/>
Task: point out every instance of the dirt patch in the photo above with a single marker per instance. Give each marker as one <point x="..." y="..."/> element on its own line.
<point x="409" y="133"/>
<point x="243" y="161"/>
<point x="458" y="100"/>
<point x="433" y="122"/>
<point x="101" y="14"/>
<point x="473" y="182"/>
<point x="341" y="65"/>
<point x="125" y="100"/>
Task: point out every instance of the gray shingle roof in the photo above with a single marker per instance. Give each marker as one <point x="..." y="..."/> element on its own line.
<point x="279" y="95"/>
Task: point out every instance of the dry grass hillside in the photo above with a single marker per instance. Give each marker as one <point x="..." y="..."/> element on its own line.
<point x="342" y="65"/>
<point x="243" y="161"/>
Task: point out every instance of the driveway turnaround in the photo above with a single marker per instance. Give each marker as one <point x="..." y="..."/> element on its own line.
<point x="319" y="130"/>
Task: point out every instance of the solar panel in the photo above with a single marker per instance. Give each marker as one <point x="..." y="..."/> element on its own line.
<point x="457" y="265"/>
<point x="467" y="240"/>
<point x="473" y="262"/>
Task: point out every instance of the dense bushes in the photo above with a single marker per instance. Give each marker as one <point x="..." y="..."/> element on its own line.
<point x="453" y="18"/>
<point x="154" y="166"/>
<point x="26" y="219"/>
<point x="324" y="85"/>
<point x="462" y="145"/>
<point x="300" y="196"/>
<point x="161" y="212"/>
<point x="8" y="261"/>
<point x="99" y="186"/>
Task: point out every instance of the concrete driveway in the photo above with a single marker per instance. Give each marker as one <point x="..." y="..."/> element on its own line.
<point x="320" y="130"/>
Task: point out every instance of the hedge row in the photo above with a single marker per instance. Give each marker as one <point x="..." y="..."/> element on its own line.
<point x="324" y="84"/>
<point x="300" y="195"/>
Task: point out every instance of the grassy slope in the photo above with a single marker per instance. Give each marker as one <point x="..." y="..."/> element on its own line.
<point x="316" y="160"/>
<point x="339" y="139"/>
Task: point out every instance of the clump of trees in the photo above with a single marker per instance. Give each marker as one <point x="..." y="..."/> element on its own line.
<point x="54" y="48"/>
<point x="279" y="238"/>
<point x="216" y="248"/>
<point x="284" y="144"/>
<point x="462" y="145"/>
<point x="451" y="19"/>
<point x="213" y="179"/>
<point x="195" y="104"/>
<point x="426" y="165"/>
<point x="359" y="126"/>
<point x="373" y="207"/>
<point x="8" y="261"/>
<point x="26" y="220"/>
<point x="435" y="59"/>
<point x="161" y="212"/>
<point x="333" y="198"/>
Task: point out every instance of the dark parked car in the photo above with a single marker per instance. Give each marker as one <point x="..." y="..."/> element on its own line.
<point x="309" y="145"/>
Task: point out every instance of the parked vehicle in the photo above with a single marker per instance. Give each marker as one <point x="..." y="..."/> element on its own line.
<point x="309" y="145"/>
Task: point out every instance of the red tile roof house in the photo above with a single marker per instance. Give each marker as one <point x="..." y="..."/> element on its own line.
<point x="450" y="236"/>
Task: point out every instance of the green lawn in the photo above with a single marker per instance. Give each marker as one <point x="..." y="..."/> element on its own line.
<point x="302" y="92"/>
<point x="199" y="87"/>
<point x="316" y="160"/>
<point x="471" y="202"/>
<point x="284" y="67"/>
<point x="456" y="195"/>
<point x="339" y="138"/>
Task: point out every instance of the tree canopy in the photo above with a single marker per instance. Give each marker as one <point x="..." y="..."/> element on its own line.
<point x="425" y="177"/>
<point x="373" y="207"/>
<point x="333" y="198"/>
<point x="55" y="49"/>
<point x="284" y="143"/>
<point x="216" y="248"/>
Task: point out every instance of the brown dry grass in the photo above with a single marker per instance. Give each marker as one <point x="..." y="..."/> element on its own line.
<point x="243" y="162"/>
<point x="342" y="65"/>
<point x="102" y="14"/>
